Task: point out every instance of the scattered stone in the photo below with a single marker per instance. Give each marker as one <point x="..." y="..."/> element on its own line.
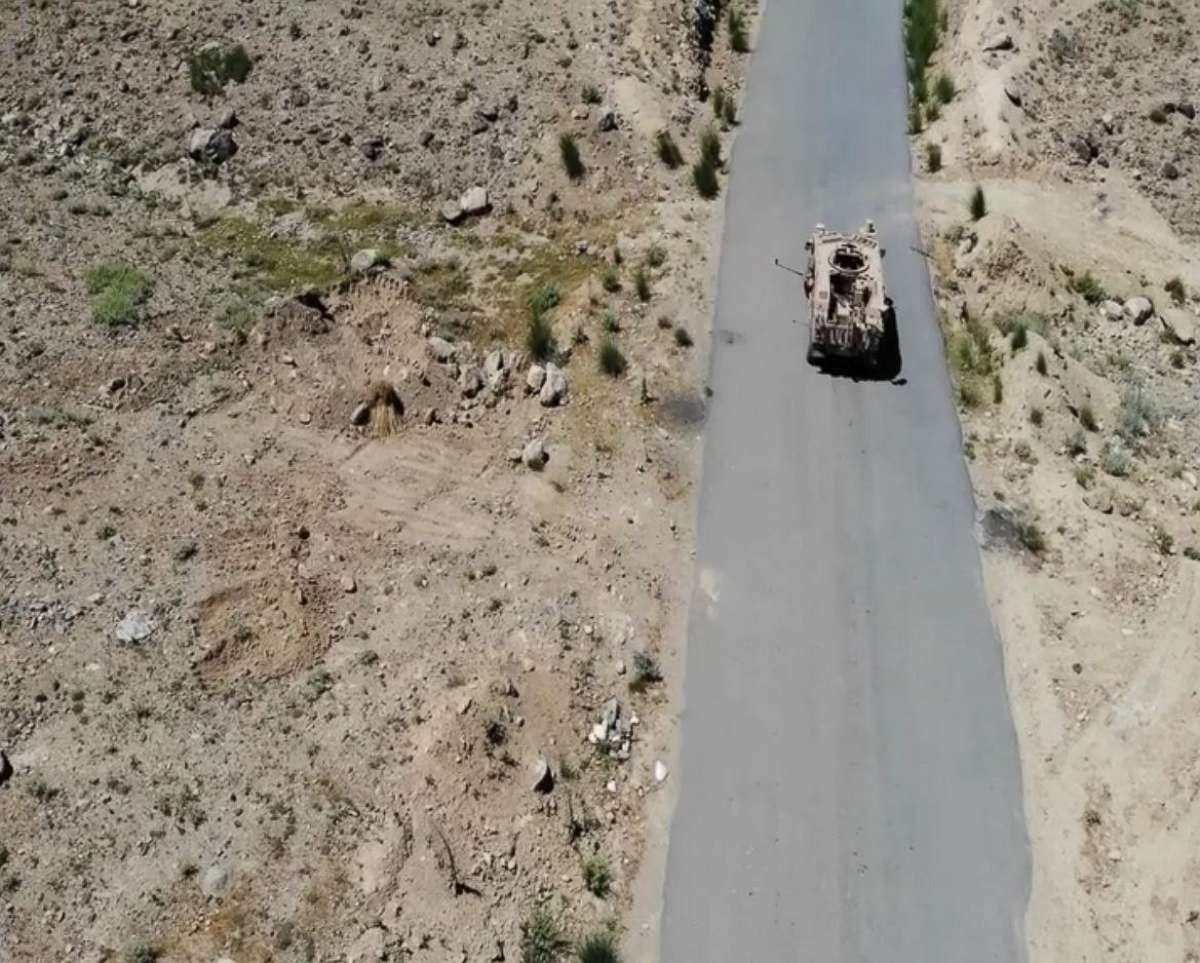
<point x="6" y="769"/>
<point x="1139" y="309"/>
<point x="543" y="778"/>
<point x="367" y="259"/>
<point x="452" y="212"/>
<point x="534" y="455"/>
<point x="554" y="390"/>
<point x="372" y="147"/>
<point x="1109" y="122"/>
<point x="660" y="771"/>
<point x="442" y="350"/>
<point x="535" y="379"/>
<point x="474" y="201"/>
<point x="134" y="628"/>
<point x="495" y="371"/>
<point x="1101" y="500"/>
<point x="1013" y="93"/>
<point x="215" y="145"/>
<point x="1113" y="310"/>
<point x="1170" y="171"/>
<point x="608" y="119"/>
<point x="229" y="120"/>
<point x="349" y="585"/>
<point x="360" y="415"/>
<point x="471" y="381"/>
<point x="1180" y="325"/>
<point x="1187" y="109"/>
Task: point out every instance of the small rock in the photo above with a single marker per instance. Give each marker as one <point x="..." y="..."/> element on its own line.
<point x="495" y="371"/>
<point x="474" y="201"/>
<point x="1180" y="325"/>
<point x="1170" y="171"/>
<point x="543" y="778"/>
<point x="372" y="147"/>
<point x="1187" y="109"/>
<point x="134" y="628"/>
<point x="6" y="769"/>
<point x="215" y="145"/>
<point x="1189" y="477"/>
<point x="998" y="41"/>
<point x="360" y="415"/>
<point x="1013" y="93"/>
<point x="1139" y="309"/>
<point x="1109" y="122"/>
<point x="1113" y="310"/>
<point x="216" y="881"/>
<point x="535" y="379"/>
<point x="660" y="770"/>
<point x="1100" y="500"/>
<point x="229" y="120"/>
<point x="608" y="119"/>
<point x="452" y="212"/>
<point x="471" y="381"/>
<point x="349" y="585"/>
<point x="367" y="259"/>
<point x="534" y="455"/>
<point x="554" y="390"/>
<point x="442" y="350"/>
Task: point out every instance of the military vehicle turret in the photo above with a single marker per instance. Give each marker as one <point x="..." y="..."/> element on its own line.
<point x="849" y="306"/>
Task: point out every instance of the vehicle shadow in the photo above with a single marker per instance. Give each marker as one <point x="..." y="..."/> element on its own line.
<point x="887" y="366"/>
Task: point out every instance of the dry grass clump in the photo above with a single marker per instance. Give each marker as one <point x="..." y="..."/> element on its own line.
<point x="386" y="409"/>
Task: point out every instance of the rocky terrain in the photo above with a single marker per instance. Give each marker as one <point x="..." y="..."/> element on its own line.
<point x="1057" y="179"/>
<point x="350" y="379"/>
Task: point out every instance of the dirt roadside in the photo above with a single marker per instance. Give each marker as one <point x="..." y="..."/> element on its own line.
<point x="1057" y="187"/>
<point x="342" y="610"/>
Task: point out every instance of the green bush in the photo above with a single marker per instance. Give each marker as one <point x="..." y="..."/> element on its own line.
<point x="933" y="158"/>
<point x="667" y="150"/>
<point x="1087" y="418"/>
<point x="118" y="292"/>
<point x="591" y="94"/>
<point x="710" y="147"/>
<point x="543" y="299"/>
<point x="682" y="338"/>
<point x="1032" y="538"/>
<point x="209" y="70"/>
<point x="718" y="102"/>
<point x="704" y="176"/>
<point x="729" y="111"/>
<point x="539" y="339"/>
<point x="598" y="947"/>
<point x="1019" y="338"/>
<point x="612" y="361"/>
<point x="1139" y="415"/>
<point x="915" y="123"/>
<point x="933" y="112"/>
<point x="542" y="938"/>
<point x="597" y="875"/>
<point x="739" y="42"/>
<point x="922" y="26"/>
<point x="1077" y="443"/>
<point x="1085" y="476"/>
<point x="1115" y="460"/>
<point x="611" y="279"/>
<point x="944" y="90"/>
<point x="569" y="150"/>
<point x="1176" y="290"/>
<point x="1087" y="287"/>
<point x="641" y="284"/>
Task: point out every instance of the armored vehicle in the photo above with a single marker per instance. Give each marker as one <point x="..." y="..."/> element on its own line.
<point x="849" y="307"/>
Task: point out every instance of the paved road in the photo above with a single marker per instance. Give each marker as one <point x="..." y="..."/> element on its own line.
<point x="850" y="779"/>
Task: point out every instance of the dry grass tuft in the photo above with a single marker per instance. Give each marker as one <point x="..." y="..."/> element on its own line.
<point x="386" y="409"/>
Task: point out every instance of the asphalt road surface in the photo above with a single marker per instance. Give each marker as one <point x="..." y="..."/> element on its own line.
<point x="850" y="779"/>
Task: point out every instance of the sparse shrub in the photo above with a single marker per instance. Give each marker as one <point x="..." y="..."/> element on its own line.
<point x="118" y="292"/>
<point x="542" y="938"/>
<point x="729" y="111"/>
<point x="978" y="204"/>
<point x="1179" y="359"/>
<point x="1042" y="366"/>
<point x="1176" y="290"/>
<point x="1077" y="443"/>
<point x="143" y="953"/>
<point x="1163" y="540"/>
<point x="1088" y="288"/>
<point x="611" y="279"/>
<point x="718" y="102"/>
<point x="645" y="671"/>
<point x="209" y="70"/>
<point x="1019" y="338"/>
<point x="944" y="89"/>
<point x="591" y="94"/>
<point x="710" y="147"/>
<point x="598" y="947"/>
<point x="968" y="394"/>
<point x="682" y="338"/>
<point x="612" y="361"/>
<point x="921" y="28"/>
<point x="656" y="256"/>
<point x="1023" y="451"/>
<point x="1085" y="476"/>
<point x="739" y="42"/>
<point x="933" y="112"/>
<point x="543" y="299"/>
<point x="1087" y="418"/>
<point x="568" y="149"/>
<point x="704" y="176"/>
<point x="612" y="323"/>
<point x="1036" y="416"/>
<point x="1032" y="537"/>
<point x="641" y="284"/>
<point x="916" y="122"/>
<point x="1115" y="460"/>
<point x="495" y="732"/>
<point x="997" y="390"/>
<point x="933" y="158"/>
<point x="667" y="150"/>
<point x="1191" y="553"/>
<point x="597" y="875"/>
<point x="1158" y="115"/>
<point x="539" y="338"/>
<point x="1138" y="415"/>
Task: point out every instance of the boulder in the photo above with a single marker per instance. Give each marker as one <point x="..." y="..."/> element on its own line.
<point x="1109" y="123"/>
<point x="1013" y="93"/>
<point x="1139" y="309"/>
<point x="1170" y="171"/>
<point x="998" y="40"/>
<point x="1187" y="109"/>
<point x="452" y="212"/>
<point x="134" y="628"/>
<point x="555" y="388"/>
<point x="367" y="259"/>
<point x="608" y="119"/>
<point x="535" y="379"/>
<point x="442" y="350"/>
<point x="471" y="381"/>
<point x="1113" y="310"/>
<point x="215" y="145"/>
<point x="534" y="456"/>
<point x="1179" y="325"/>
<point x="495" y="369"/>
<point x="360" y="415"/>
<point x="474" y="201"/>
<point x="543" y="778"/>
